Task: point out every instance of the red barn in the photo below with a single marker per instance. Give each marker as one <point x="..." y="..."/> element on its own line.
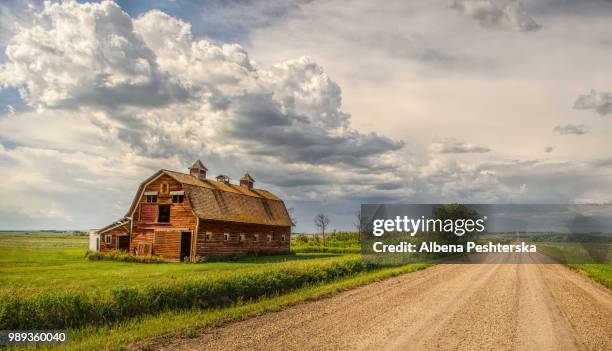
<point x="179" y="216"/>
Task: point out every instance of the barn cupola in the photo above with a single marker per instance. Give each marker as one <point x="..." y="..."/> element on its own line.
<point x="222" y="178"/>
<point x="198" y="170"/>
<point x="247" y="181"/>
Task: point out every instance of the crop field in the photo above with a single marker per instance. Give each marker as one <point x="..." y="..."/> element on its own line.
<point x="46" y="282"/>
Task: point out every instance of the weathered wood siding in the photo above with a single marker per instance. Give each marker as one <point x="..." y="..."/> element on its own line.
<point x="216" y="245"/>
<point x="168" y="244"/>
<point x="165" y="238"/>
<point x="142" y="242"/>
<point x="120" y="230"/>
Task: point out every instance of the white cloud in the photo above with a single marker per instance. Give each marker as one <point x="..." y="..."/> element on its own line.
<point x="449" y="179"/>
<point x="84" y="54"/>
<point x="510" y="14"/>
<point x="147" y="87"/>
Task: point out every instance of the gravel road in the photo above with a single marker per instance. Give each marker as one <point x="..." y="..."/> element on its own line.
<point x="490" y="306"/>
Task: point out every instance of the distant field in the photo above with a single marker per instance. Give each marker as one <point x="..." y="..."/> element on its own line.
<point x="42" y="240"/>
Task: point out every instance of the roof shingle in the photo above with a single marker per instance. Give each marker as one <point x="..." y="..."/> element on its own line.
<point x="214" y="200"/>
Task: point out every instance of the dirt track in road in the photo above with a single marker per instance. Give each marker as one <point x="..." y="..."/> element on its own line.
<point x="489" y="306"/>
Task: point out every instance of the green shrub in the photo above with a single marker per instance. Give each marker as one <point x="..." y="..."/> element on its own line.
<point x="122" y="257"/>
<point x="72" y="309"/>
<point x="301" y="239"/>
<point x="338" y="239"/>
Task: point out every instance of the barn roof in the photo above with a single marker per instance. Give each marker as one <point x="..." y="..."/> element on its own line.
<point x="118" y="223"/>
<point x="213" y="200"/>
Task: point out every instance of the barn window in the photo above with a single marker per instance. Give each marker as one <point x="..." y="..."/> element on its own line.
<point x="164" y="188"/>
<point x="269" y="237"/>
<point x="283" y="237"/>
<point x="151" y="199"/>
<point x="242" y="237"/>
<point x="226" y="236"/>
<point x="177" y="196"/>
<point x="208" y="236"/>
<point x="178" y="199"/>
<point x="164" y="214"/>
<point x="256" y="237"/>
<point x="108" y="239"/>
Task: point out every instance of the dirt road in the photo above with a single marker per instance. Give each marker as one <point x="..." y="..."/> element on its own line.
<point x="489" y="306"/>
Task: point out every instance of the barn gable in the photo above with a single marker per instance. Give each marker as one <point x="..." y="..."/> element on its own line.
<point x="215" y="200"/>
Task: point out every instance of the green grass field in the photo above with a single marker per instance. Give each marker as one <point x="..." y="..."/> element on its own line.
<point x="33" y="262"/>
<point x="46" y="278"/>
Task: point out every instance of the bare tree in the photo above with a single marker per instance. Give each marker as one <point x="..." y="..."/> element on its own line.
<point x="292" y="216"/>
<point x="321" y="221"/>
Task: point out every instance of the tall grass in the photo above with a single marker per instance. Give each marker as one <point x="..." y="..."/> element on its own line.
<point x="72" y="309"/>
<point x="122" y="257"/>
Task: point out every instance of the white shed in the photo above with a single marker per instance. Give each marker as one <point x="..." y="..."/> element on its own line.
<point x="94" y="240"/>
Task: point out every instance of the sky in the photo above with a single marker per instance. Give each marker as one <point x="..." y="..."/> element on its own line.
<point x="328" y="104"/>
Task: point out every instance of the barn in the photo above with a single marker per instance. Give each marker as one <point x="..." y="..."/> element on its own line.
<point x="180" y="216"/>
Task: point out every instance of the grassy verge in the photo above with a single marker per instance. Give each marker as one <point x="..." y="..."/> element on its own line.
<point x="599" y="272"/>
<point x="192" y="322"/>
<point x="60" y="309"/>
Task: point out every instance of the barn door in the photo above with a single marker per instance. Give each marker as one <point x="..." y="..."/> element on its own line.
<point x="124" y="243"/>
<point x="185" y="246"/>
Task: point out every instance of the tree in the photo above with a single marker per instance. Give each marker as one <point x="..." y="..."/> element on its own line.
<point x="455" y="212"/>
<point x="292" y="216"/>
<point x="321" y="221"/>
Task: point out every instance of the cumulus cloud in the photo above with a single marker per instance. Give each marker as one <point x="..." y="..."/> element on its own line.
<point x="448" y="180"/>
<point x="453" y="146"/>
<point x="85" y="54"/>
<point x="571" y="129"/>
<point x="510" y="14"/>
<point x="153" y="89"/>
<point x="111" y="98"/>
<point x="598" y="101"/>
